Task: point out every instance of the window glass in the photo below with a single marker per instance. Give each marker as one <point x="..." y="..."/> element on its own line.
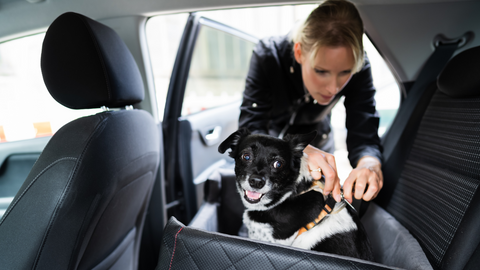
<point x="26" y="108"/>
<point x="163" y="37"/>
<point x="218" y="70"/>
<point x="262" y="21"/>
<point x="388" y="93"/>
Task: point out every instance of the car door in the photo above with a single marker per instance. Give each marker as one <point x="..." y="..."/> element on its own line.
<point x="202" y="108"/>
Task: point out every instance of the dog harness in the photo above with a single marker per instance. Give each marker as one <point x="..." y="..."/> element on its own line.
<point x="330" y="202"/>
<point x="327" y="209"/>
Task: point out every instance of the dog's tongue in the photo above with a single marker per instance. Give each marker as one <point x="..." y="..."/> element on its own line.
<point x="253" y="195"/>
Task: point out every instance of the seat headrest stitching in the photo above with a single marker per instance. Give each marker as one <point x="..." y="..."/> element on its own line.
<point x="97" y="47"/>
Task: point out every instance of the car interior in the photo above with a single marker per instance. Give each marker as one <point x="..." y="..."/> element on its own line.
<point x="111" y="114"/>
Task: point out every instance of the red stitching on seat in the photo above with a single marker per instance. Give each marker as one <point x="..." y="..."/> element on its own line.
<point x="174" y="247"/>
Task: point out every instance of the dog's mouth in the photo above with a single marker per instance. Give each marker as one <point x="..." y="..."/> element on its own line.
<point x="252" y="196"/>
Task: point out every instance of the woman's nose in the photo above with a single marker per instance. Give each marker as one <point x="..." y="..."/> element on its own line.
<point x="332" y="87"/>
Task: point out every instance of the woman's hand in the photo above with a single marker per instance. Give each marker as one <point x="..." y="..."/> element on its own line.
<point x="326" y="162"/>
<point x="365" y="181"/>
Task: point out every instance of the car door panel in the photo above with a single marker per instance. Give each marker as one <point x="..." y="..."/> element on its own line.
<point x="223" y="120"/>
<point x="209" y="129"/>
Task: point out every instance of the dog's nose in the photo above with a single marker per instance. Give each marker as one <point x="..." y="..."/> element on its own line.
<point x="256" y="181"/>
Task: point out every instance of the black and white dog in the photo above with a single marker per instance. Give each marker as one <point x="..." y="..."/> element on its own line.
<point x="275" y="185"/>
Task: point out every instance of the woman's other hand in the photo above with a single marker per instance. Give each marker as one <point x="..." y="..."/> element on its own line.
<point x="365" y="181"/>
<point x="326" y="162"/>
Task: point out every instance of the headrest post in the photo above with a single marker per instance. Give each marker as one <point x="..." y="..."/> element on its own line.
<point x="105" y="108"/>
<point x="129" y="107"/>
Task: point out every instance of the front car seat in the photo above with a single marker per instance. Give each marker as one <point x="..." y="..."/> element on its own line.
<point x="83" y="204"/>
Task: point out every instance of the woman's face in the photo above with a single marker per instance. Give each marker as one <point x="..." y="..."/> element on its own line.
<point x="327" y="75"/>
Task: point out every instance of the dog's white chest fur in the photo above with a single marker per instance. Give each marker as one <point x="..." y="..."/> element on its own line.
<point x="264" y="232"/>
<point x="339" y="222"/>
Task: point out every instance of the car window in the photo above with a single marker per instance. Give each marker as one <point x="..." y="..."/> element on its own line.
<point x="27" y="110"/>
<point x="218" y="70"/>
<point x="388" y="93"/>
<point x="164" y="33"/>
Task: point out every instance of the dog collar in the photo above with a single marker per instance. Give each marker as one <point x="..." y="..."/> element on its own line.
<point x="326" y="210"/>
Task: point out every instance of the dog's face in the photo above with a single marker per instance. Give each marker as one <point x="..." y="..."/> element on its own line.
<point x="268" y="170"/>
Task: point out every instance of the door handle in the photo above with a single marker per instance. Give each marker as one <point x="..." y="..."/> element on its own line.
<point x="213" y="135"/>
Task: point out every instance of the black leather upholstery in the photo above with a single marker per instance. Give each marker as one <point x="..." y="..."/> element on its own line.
<point x="83" y="204"/>
<point x="184" y="247"/>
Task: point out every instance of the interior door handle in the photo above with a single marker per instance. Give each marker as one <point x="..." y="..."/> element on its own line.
<point x="212" y="136"/>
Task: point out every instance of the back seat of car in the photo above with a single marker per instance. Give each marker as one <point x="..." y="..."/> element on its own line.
<point x="434" y="203"/>
<point x="435" y="196"/>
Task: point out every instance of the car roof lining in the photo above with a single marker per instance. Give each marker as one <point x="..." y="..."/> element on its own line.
<point x="392" y="25"/>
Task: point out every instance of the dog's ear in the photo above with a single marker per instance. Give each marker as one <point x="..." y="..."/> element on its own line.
<point x="298" y="142"/>
<point x="232" y="140"/>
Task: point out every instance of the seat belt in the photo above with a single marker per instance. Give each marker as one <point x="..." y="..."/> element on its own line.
<point x="429" y="73"/>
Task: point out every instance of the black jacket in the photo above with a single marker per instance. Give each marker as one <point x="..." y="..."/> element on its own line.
<point x="273" y="94"/>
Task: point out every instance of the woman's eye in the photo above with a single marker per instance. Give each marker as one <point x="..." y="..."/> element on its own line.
<point x="321" y="72"/>
<point x="277" y="164"/>
<point x="246" y="157"/>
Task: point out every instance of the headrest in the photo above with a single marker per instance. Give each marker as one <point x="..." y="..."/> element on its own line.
<point x="461" y="76"/>
<point x="85" y="64"/>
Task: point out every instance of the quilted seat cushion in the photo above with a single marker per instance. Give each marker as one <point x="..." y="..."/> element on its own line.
<point x="184" y="247"/>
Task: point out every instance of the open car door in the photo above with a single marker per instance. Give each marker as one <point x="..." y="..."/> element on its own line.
<point x="202" y="108"/>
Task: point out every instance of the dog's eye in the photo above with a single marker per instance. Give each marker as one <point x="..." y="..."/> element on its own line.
<point x="246" y="157"/>
<point x="277" y="164"/>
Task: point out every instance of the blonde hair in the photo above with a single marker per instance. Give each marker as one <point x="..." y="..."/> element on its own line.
<point x="333" y="23"/>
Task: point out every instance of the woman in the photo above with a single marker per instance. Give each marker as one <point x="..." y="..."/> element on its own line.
<point x="295" y="80"/>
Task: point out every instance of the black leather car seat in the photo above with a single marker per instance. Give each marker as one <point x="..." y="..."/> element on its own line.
<point x="83" y="204"/>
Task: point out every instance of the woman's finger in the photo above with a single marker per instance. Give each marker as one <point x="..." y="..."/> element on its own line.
<point x="337" y="191"/>
<point x="360" y="185"/>
<point x="329" y="168"/>
<point x="374" y="186"/>
<point x="317" y="162"/>
<point x="348" y="186"/>
<point x="323" y="163"/>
